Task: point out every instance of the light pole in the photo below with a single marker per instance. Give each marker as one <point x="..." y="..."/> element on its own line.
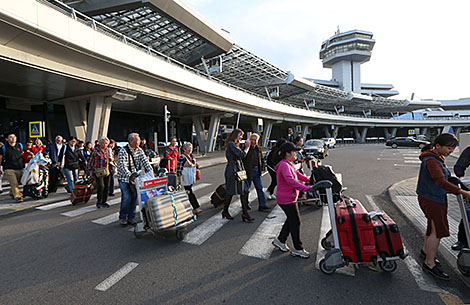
<point x="166" y="118"/>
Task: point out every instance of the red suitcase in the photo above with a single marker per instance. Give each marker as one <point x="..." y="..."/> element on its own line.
<point x="82" y="192"/>
<point x="387" y="237"/>
<point x="355" y="231"/>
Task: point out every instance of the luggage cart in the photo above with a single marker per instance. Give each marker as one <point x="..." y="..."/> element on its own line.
<point x="463" y="258"/>
<point x="152" y="188"/>
<point x="333" y="258"/>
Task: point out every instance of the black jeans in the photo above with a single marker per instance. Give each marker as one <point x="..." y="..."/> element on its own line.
<point x="273" y="181"/>
<point x="292" y="225"/>
<point x="191" y="196"/>
<point x="243" y="199"/>
<point x="461" y="236"/>
<point x="102" y="185"/>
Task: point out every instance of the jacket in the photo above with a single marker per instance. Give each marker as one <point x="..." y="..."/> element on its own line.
<point x="248" y="161"/>
<point x="71" y="157"/>
<point x="288" y="185"/>
<point x="53" y="153"/>
<point x="432" y="178"/>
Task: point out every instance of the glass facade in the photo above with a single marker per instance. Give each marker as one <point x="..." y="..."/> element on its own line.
<point x="347" y="47"/>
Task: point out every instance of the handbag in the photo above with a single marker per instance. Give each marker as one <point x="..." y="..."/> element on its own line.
<point x="188" y="174"/>
<point x="198" y="174"/>
<point x="241" y="174"/>
<point x="103" y="171"/>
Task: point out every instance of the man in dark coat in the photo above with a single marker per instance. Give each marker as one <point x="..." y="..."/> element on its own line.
<point x="254" y="167"/>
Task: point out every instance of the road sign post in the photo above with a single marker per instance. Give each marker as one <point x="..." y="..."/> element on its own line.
<point x="37" y="129"/>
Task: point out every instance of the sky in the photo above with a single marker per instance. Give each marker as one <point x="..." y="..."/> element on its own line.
<point x="422" y="47"/>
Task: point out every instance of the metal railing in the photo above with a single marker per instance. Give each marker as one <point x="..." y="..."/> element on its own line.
<point x="97" y="26"/>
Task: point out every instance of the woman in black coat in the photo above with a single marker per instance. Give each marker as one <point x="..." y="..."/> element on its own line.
<point x="234" y="157"/>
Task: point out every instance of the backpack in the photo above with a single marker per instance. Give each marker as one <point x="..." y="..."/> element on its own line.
<point x="323" y="172"/>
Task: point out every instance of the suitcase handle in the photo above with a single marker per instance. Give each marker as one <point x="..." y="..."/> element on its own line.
<point x="349" y="204"/>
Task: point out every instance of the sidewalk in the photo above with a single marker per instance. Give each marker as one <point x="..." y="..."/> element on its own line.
<point x="403" y="195"/>
<point x="8" y="206"/>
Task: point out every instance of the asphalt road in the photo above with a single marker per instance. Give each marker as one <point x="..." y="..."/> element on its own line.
<point x="49" y="258"/>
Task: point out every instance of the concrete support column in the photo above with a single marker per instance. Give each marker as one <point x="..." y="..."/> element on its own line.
<point x="457" y="131"/>
<point x="207" y="139"/>
<point x="360" y="135"/>
<point x="305" y="132"/>
<point x="76" y="118"/>
<point x="267" y="128"/>
<point x="335" y="132"/>
<point x="394" y="132"/>
<point x="387" y="133"/>
<point x="327" y="131"/>
<point x="425" y="131"/>
<point x="98" y="117"/>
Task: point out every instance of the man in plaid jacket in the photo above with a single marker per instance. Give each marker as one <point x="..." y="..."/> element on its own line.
<point x="131" y="160"/>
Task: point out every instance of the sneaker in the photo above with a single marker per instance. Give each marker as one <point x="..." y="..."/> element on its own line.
<point x="458" y="246"/>
<point x="302" y="253"/>
<point x="264" y="209"/>
<point x="19" y="200"/>
<point x="197" y="211"/>
<point x="105" y="205"/>
<point x="422" y="255"/>
<point x="436" y="272"/>
<point x="123" y="222"/>
<point x="281" y="246"/>
<point x="112" y="195"/>
<point x="273" y="197"/>
<point x="268" y="196"/>
<point x="132" y="222"/>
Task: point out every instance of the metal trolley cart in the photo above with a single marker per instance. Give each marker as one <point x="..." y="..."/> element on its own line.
<point x="152" y="188"/>
<point x="334" y="258"/>
<point x="463" y="258"/>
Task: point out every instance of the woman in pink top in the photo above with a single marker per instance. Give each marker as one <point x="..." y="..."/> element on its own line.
<point x="288" y="187"/>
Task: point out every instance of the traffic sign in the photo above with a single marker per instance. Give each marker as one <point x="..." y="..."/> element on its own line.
<point x="298" y="128"/>
<point x="36" y="129"/>
<point x="411" y="132"/>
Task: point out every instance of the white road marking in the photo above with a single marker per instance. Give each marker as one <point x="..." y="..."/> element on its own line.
<point x="411" y="158"/>
<point x="388" y="159"/>
<point x="325" y="227"/>
<point x="406" y="165"/>
<point x="423" y="282"/>
<point x="65" y="203"/>
<point x="265" y="173"/>
<point x="116" y="277"/>
<point x="260" y="243"/>
<point x="107" y="219"/>
<point x="412" y="161"/>
<point x="205" y="230"/>
<point x="412" y="155"/>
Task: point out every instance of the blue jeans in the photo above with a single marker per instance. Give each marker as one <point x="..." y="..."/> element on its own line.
<point x="111" y="185"/>
<point x="256" y="179"/>
<point x="72" y="176"/>
<point x="128" y="201"/>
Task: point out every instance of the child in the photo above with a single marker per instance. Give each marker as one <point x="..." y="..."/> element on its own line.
<point x="432" y="192"/>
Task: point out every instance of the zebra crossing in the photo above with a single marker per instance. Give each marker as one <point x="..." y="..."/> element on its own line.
<point x="401" y="157"/>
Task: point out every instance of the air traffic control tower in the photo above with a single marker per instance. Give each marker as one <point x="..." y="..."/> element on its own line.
<point x="344" y="53"/>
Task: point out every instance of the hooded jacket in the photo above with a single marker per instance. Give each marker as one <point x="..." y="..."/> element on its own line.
<point x="288" y="185"/>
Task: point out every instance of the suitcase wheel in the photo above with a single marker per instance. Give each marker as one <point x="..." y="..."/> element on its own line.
<point x="388" y="266"/>
<point x="325" y="269"/>
<point x="326" y="244"/>
<point x="138" y="234"/>
<point x="180" y="234"/>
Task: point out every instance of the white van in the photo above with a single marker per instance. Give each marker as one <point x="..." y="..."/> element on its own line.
<point x="330" y="142"/>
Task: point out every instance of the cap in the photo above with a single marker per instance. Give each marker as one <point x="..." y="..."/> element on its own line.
<point x="288" y="147"/>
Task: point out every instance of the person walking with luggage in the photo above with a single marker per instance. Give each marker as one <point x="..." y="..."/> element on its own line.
<point x="236" y="180"/>
<point x="131" y="160"/>
<point x="288" y="187"/>
<point x="11" y="159"/>
<point x="56" y="152"/>
<point x="99" y="167"/>
<point x="463" y="162"/>
<point x="432" y="189"/>
<point x="272" y="160"/>
<point x="254" y="167"/>
<point x="171" y="156"/>
<point x="186" y="171"/>
<point x="71" y="164"/>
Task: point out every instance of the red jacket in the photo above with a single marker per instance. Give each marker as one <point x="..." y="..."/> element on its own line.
<point x="171" y="152"/>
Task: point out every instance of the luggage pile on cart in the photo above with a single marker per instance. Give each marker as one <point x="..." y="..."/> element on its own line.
<point x="160" y="210"/>
<point x="35" y="177"/>
<point x="357" y="236"/>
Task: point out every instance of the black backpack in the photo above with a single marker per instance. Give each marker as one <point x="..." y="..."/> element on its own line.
<point x="323" y="172"/>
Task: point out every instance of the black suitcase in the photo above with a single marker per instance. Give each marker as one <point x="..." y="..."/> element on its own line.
<point x="323" y="172"/>
<point x="54" y="174"/>
<point x="218" y="197"/>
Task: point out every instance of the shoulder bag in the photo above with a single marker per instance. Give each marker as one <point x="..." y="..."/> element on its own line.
<point x="240" y="174"/>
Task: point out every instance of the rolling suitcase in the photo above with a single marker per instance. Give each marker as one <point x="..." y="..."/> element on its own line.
<point x="32" y="190"/>
<point x="82" y="191"/>
<point x="387" y="236"/>
<point x="166" y="211"/>
<point x="218" y="197"/>
<point x="355" y="232"/>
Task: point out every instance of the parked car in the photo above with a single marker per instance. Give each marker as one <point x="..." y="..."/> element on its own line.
<point x="316" y="148"/>
<point x="331" y="142"/>
<point x="406" y="142"/>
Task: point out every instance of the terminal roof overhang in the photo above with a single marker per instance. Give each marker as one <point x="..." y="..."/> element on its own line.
<point x="169" y="26"/>
<point x="176" y="30"/>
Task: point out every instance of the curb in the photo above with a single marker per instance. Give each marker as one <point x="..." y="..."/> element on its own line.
<point x="444" y="252"/>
